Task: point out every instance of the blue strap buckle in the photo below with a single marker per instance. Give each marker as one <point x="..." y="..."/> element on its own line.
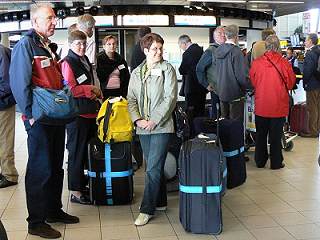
<point x="233" y="153"/>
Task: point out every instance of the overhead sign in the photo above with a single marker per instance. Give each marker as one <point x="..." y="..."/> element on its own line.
<point x="185" y="20"/>
<point x="138" y="20"/>
<point x="104" y="20"/>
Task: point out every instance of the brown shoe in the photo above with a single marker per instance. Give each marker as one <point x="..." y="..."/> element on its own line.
<point x="308" y="135"/>
<point x="45" y="231"/>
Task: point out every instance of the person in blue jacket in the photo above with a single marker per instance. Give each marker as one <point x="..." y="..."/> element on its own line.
<point x="44" y="174"/>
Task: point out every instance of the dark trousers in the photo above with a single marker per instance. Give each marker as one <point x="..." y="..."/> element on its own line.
<point x="84" y="129"/>
<point x="196" y="102"/>
<point x="44" y="174"/>
<point x="214" y="101"/>
<point x="111" y="93"/>
<point x="313" y="107"/>
<point x="274" y="128"/>
<point x="155" y="149"/>
<point x="232" y="110"/>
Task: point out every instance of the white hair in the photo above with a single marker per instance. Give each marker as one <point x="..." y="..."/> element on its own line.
<point x="34" y="10"/>
<point x="86" y="21"/>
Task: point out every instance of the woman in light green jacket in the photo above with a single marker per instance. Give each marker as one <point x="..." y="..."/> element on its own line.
<point x="152" y="97"/>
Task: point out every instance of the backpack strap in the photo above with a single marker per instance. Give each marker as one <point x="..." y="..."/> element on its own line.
<point x="106" y="120"/>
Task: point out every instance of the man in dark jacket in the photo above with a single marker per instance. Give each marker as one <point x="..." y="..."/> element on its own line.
<point x="44" y="174"/>
<point x="9" y="174"/>
<point x="232" y="72"/>
<point x="192" y="90"/>
<point x="311" y="84"/>
<point x="206" y="68"/>
<point x="138" y="56"/>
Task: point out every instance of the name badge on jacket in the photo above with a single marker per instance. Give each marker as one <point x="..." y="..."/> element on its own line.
<point x="45" y="63"/>
<point x="156" y="72"/>
<point x="122" y="66"/>
<point x="82" y="78"/>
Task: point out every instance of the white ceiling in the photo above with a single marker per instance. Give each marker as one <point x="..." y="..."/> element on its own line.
<point x="269" y="6"/>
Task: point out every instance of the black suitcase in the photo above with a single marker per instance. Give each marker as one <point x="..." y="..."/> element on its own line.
<point x="232" y="140"/>
<point x="110" y="181"/>
<point x="200" y="177"/>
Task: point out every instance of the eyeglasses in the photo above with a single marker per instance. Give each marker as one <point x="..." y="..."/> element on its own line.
<point x="80" y="44"/>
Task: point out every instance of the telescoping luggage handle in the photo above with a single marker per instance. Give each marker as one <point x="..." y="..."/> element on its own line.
<point x="208" y="136"/>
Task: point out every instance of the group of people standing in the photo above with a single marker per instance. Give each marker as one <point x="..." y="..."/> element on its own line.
<point x="151" y="90"/>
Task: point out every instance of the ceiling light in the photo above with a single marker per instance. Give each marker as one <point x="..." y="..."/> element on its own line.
<point x="220" y="1"/>
<point x="272" y="2"/>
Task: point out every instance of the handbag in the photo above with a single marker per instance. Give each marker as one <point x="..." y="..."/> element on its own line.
<point x="53" y="106"/>
<point x="7" y="101"/>
<point x="87" y="106"/>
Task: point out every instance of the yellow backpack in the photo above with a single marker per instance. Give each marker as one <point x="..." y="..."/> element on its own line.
<point x="114" y="122"/>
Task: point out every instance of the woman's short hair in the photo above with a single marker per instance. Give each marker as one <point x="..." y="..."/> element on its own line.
<point x="267" y="32"/>
<point x="107" y="38"/>
<point x="76" y="35"/>
<point x="272" y="43"/>
<point x="148" y="39"/>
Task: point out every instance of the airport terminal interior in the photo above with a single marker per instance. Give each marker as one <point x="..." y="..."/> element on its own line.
<point x="271" y="205"/>
<point x="279" y="204"/>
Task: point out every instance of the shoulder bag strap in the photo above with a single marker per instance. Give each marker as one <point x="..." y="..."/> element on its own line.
<point x="282" y="79"/>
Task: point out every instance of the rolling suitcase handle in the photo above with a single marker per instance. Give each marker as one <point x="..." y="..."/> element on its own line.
<point x="217" y="141"/>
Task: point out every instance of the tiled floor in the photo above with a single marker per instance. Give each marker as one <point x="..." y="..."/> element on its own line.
<point x="271" y="205"/>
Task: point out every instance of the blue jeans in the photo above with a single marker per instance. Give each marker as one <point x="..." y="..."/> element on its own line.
<point x="155" y="149"/>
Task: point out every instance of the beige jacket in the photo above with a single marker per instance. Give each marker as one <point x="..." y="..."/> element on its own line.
<point x="162" y="90"/>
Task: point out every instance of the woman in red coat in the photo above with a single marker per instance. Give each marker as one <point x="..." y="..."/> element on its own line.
<point x="272" y="77"/>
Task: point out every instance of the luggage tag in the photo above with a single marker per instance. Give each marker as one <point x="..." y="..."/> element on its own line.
<point x="114" y="100"/>
<point x="122" y="66"/>
<point x="45" y="63"/>
<point x="156" y="72"/>
<point x="82" y="78"/>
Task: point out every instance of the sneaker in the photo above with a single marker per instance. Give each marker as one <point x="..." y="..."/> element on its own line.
<point x="142" y="219"/>
<point x="164" y="208"/>
<point x="4" y="182"/>
<point x="45" y="231"/>
<point x="62" y="217"/>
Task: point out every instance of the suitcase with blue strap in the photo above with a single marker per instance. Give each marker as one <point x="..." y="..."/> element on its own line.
<point x="110" y="173"/>
<point x="232" y="139"/>
<point x="200" y="175"/>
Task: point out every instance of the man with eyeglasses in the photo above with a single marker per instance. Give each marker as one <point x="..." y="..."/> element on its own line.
<point x="44" y="174"/>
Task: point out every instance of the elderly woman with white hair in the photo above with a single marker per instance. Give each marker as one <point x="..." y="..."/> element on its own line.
<point x="272" y="77"/>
